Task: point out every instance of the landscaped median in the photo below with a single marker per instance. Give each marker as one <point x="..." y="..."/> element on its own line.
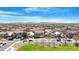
<point x="42" y="48"/>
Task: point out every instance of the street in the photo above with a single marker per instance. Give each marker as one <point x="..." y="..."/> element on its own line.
<point x="7" y="45"/>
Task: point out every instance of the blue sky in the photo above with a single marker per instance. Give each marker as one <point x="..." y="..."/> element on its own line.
<point x="39" y="14"/>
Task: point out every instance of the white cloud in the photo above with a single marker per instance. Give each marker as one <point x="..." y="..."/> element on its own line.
<point x="10" y="18"/>
<point x="58" y="20"/>
<point x="5" y="12"/>
<point x="51" y="10"/>
<point x="40" y="9"/>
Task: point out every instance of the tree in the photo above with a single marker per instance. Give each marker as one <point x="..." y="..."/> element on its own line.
<point x="1" y="37"/>
<point x="76" y="38"/>
<point x="13" y="35"/>
<point x="24" y="35"/>
<point x="65" y="40"/>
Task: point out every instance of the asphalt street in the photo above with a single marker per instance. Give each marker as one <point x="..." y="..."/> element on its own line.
<point x="7" y="45"/>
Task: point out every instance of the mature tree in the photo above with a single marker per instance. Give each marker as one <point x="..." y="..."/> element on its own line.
<point x="24" y="35"/>
<point x="13" y="35"/>
<point x="76" y="38"/>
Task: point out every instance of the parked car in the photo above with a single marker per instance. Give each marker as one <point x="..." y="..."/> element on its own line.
<point x="4" y="43"/>
<point x="10" y="38"/>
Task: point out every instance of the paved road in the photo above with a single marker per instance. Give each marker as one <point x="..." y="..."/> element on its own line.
<point x="7" y="45"/>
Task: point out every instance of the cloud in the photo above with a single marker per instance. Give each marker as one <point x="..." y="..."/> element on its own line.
<point x="23" y="19"/>
<point x="10" y="18"/>
<point x="5" y="12"/>
<point x="47" y="9"/>
<point x="60" y="20"/>
<point x="6" y="16"/>
<point x="35" y="9"/>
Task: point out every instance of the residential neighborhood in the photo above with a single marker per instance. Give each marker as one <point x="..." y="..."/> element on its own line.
<point x="23" y="32"/>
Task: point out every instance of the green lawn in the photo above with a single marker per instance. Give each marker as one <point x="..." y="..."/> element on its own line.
<point x="41" y="48"/>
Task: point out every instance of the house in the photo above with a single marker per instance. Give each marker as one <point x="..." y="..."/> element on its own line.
<point x="52" y="35"/>
<point x="18" y="35"/>
<point x="5" y="35"/>
<point x="39" y="34"/>
<point x="30" y="34"/>
<point x="57" y="35"/>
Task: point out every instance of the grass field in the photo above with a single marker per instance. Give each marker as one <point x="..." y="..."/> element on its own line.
<point x="41" y="48"/>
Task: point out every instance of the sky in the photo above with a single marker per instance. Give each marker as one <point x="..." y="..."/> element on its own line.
<point x="39" y="14"/>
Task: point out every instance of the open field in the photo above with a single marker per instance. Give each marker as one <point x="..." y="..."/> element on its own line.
<point x="41" y="48"/>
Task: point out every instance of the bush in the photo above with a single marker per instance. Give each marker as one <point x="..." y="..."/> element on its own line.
<point x="76" y="44"/>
